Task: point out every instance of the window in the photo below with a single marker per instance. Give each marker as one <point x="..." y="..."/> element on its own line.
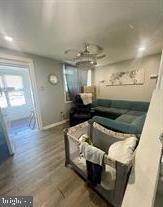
<point x="70" y="82"/>
<point x="3" y="101"/>
<point x="74" y="79"/>
<point x="89" y="78"/>
<point x="12" y="91"/>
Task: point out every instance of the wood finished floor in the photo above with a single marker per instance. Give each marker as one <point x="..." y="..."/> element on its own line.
<point x="37" y="169"/>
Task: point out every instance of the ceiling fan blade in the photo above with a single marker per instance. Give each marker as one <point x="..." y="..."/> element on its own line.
<point x="101" y="56"/>
<point x="94" y="49"/>
<point x="71" y="54"/>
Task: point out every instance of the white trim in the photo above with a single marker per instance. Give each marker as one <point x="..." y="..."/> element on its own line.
<point x="160" y="74"/>
<point x="55" y="124"/>
<point x="35" y="97"/>
<point x="23" y="61"/>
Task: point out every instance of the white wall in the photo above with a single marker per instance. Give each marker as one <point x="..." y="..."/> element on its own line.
<point x="150" y="64"/>
<point x="51" y="98"/>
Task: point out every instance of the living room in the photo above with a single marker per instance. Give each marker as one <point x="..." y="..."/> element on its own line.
<point x="102" y="82"/>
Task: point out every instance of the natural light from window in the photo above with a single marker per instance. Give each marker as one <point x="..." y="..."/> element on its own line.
<point x="11" y="91"/>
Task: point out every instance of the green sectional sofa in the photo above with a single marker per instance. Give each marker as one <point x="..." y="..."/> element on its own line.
<point x="120" y="115"/>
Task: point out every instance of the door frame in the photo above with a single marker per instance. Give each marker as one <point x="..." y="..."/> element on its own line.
<point x="27" y="62"/>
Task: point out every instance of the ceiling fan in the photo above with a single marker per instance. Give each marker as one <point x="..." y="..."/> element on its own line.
<point x="85" y="58"/>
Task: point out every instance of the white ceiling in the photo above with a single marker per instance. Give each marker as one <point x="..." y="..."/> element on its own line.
<point x="49" y="27"/>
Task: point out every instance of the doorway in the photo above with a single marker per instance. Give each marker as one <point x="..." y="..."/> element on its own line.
<point x="16" y="99"/>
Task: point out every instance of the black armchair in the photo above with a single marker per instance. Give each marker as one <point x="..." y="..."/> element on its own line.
<point x="79" y="112"/>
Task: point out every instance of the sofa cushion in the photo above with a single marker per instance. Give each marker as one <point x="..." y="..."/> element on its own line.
<point x="139" y="106"/>
<point x="117" y="111"/>
<point x="110" y="110"/>
<point x="103" y="138"/>
<point x="121" y="104"/>
<point x="117" y="125"/>
<point x="130" y="105"/>
<point x="136" y="113"/>
<point x="126" y="118"/>
<point x="139" y="122"/>
<point x="101" y="108"/>
<point x="134" y="128"/>
<point x="104" y="102"/>
<point x="124" y="104"/>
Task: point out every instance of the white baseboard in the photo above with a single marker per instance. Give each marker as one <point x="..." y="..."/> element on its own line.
<point x="55" y="124"/>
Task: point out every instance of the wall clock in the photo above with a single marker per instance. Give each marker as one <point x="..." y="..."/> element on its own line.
<point x="53" y="79"/>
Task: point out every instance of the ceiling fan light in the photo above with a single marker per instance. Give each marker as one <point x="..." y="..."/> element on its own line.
<point x="85" y="65"/>
<point x="86" y="58"/>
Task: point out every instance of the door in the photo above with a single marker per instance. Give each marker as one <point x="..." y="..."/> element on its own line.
<point x="15" y="94"/>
